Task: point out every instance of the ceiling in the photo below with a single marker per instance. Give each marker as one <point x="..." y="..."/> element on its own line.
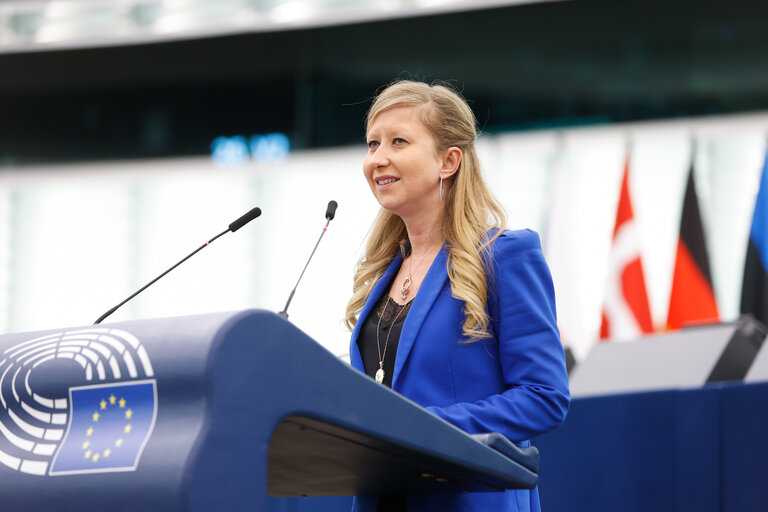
<point x="522" y="66"/>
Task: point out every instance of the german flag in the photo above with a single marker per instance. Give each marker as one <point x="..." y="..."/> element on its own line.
<point x="754" y="290"/>
<point x="692" y="299"/>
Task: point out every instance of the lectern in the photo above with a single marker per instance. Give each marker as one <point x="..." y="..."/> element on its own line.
<point x="216" y="412"/>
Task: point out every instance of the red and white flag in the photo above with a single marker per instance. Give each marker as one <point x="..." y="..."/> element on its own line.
<point x="626" y="314"/>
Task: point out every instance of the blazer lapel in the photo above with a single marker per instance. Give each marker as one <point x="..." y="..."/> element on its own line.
<point x="428" y="292"/>
<point x="381" y="287"/>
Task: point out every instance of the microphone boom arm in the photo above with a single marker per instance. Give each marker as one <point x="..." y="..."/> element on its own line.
<point x="234" y="226"/>
<point x="330" y="213"/>
<point x="206" y="244"/>
<point x="284" y="312"/>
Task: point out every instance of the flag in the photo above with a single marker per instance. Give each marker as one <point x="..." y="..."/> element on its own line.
<point x="626" y="313"/>
<point x="754" y="290"/>
<point x="692" y="299"/>
<point x="108" y="427"/>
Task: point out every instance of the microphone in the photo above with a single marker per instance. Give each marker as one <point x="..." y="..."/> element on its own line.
<point x="234" y="226"/>
<point x="245" y="219"/>
<point x="330" y="213"/>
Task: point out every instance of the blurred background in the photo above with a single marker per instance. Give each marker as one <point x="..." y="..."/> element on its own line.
<point x="131" y="131"/>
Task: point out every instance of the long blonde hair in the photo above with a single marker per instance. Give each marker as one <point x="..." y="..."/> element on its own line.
<point x="470" y="209"/>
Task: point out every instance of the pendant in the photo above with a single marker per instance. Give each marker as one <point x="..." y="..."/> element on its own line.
<point x="380" y="376"/>
<point x="406" y="287"/>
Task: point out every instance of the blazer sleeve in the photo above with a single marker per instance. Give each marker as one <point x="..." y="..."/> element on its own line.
<point x="521" y="305"/>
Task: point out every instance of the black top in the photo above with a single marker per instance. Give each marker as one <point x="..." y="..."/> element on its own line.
<point x="387" y="317"/>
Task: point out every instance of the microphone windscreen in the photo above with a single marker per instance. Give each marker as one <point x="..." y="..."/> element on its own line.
<point x="245" y="219"/>
<point x="330" y="213"/>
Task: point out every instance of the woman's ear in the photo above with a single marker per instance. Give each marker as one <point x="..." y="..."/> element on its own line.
<point x="451" y="161"/>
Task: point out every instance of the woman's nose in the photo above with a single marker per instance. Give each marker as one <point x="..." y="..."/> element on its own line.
<point x="380" y="157"/>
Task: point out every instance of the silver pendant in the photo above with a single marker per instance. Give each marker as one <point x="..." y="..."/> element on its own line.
<point x="380" y="376"/>
<point x="406" y="287"/>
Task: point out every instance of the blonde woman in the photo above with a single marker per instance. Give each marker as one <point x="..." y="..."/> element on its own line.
<point x="448" y="308"/>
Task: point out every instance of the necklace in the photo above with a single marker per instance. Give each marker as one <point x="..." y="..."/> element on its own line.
<point x="408" y="280"/>
<point x="380" y="371"/>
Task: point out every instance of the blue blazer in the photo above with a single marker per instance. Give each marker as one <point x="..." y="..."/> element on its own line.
<point x="514" y="383"/>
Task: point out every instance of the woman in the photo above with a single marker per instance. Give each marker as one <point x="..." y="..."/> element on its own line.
<point x="449" y="309"/>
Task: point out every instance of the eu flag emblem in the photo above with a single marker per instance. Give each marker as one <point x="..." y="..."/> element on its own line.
<point x="109" y="425"/>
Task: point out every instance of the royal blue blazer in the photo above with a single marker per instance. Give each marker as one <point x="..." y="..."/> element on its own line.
<point x="514" y="383"/>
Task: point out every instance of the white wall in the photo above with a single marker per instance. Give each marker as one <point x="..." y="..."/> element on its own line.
<point x="77" y="239"/>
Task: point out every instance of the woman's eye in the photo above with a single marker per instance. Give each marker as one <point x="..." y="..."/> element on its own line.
<point x="373" y="144"/>
<point x="398" y="141"/>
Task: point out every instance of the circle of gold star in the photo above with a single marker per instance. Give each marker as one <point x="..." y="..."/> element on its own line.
<point x="104" y="404"/>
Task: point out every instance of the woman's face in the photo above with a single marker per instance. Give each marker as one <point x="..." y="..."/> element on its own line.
<point x="403" y="165"/>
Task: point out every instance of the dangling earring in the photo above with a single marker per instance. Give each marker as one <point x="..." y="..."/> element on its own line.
<point x="441" y="189"/>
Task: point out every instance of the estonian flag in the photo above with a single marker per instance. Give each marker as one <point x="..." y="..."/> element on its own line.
<point x="692" y="299"/>
<point x="754" y="290"/>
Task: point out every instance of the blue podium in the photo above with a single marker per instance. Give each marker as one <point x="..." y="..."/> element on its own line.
<point x="217" y="412"/>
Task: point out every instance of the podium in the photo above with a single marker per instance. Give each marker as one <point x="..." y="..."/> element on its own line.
<point x="217" y="412"/>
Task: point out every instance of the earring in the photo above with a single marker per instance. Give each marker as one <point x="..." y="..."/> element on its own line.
<point x="441" y="189"/>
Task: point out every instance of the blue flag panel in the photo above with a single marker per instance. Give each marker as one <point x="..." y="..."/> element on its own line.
<point x="754" y="290"/>
<point x="108" y="428"/>
<point x="759" y="231"/>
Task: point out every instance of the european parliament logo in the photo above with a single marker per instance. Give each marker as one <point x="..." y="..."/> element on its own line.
<point x="80" y="401"/>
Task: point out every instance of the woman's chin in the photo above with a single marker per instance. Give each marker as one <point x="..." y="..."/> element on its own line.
<point x="388" y="204"/>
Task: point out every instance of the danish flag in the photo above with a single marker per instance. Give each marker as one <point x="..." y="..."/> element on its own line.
<point x="626" y="313"/>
